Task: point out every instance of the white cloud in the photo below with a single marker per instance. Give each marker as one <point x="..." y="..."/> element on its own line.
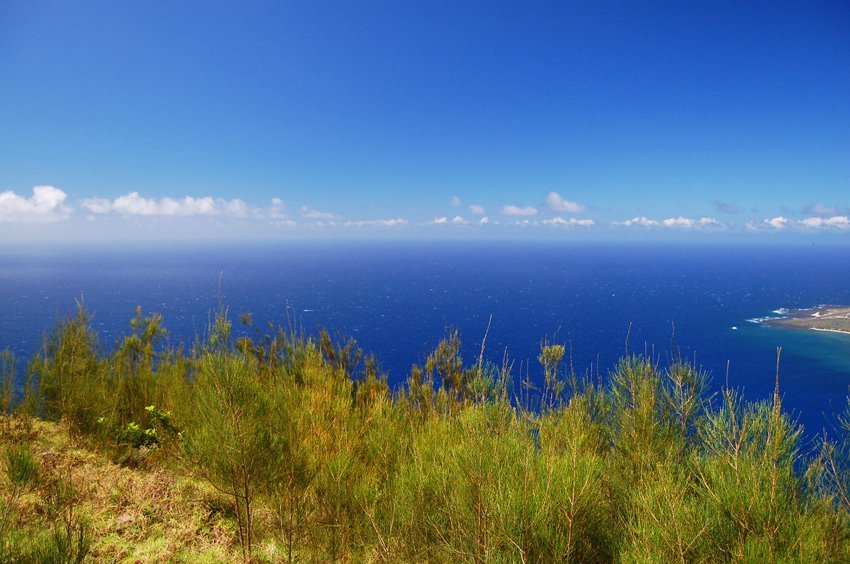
<point x="377" y="223"/>
<point x="134" y="204"/>
<point x="688" y="223"/>
<point x="834" y="222"/>
<point x="484" y="220"/>
<point x="456" y="220"/>
<point x="777" y="222"/>
<point x="559" y="204"/>
<point x="475" y="209"/>
<point x="684" y="222"/>
<point x="672" y="222"/>
<point x="455" y="201"/>
<point x="519" y="210"/>
<point x="97" y="205"/>
<point x="641" y="221"/>
<point x="235" y="207"/>
<point x="46" y="204"/>
<point x="310" y="213"/>
<point x="572" y="222"/>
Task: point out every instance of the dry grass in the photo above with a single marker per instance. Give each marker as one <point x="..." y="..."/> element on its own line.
<point x="136" y="515"/>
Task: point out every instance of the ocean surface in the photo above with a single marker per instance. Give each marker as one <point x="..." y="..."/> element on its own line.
<point x="399" y="299"/>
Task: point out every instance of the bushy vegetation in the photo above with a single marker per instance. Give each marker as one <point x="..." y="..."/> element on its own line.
<point x="294" y="448"/>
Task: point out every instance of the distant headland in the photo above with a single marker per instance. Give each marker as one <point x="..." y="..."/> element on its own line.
<point x="832" y="318"/>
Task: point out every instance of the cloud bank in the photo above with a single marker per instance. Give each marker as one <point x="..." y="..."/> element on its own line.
<point x="135" y="204"/>
<point x="48" y="203"/>
<point x="688" y="223"/>
<point x="642" y="221"/>
<point x="841" y="222"/>
<point x="672" y="223"/>
<point x="572" y="222"/>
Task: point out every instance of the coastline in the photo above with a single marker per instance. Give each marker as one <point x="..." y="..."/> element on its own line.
<point x="830" y="330"/>
<point x="827" y="318"/>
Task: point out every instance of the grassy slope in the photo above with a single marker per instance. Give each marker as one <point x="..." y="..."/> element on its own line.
<point x="135" y="515"/>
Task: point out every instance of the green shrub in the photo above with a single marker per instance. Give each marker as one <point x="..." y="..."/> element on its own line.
<point x="227" y="437"/>
<point x="21" y="467"/>
<point x="72" y="382"/>
<point x="7" y="383"/>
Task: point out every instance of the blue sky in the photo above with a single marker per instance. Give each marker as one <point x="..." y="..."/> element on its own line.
<point x="288" y="120"/>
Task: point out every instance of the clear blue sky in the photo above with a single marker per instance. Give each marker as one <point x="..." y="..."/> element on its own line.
<point x="309" y="119"/>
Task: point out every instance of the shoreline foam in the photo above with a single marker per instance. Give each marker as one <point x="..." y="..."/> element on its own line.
<point x="830" y="330"/>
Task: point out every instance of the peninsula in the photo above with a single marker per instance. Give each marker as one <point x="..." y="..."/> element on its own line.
<point x="831" y="318"/>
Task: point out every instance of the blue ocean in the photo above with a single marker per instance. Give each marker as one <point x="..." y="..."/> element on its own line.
<point x="398" y="299"/>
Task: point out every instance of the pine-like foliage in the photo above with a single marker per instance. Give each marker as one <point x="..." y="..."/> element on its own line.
<point x="317" y="459"/>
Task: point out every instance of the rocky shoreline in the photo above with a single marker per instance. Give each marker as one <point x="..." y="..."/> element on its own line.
<point x="830" y="318"/>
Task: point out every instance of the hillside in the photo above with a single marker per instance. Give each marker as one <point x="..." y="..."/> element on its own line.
<point x="288" y="447"/>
